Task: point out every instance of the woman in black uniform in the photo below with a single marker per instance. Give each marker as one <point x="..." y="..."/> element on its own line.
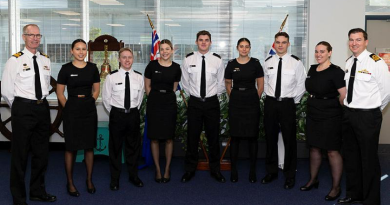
<point x="80" y="115"/>
<point x="326" y="86"/>
<point x="244" y="73"/>
<point x="161" y="79"/>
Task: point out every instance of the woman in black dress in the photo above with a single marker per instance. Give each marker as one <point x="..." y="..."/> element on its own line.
<point x="244" y="73"/>
<point x="326" y="86"/>
<point x="161" y="79"/>
<point x="80" y="116"/>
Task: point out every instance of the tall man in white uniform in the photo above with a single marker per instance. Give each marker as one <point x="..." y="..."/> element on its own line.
<point x="203" y="80"/>
<point x="367" y="78"/>
<point x="284" y="85"/>
<point x="24" y="86"/>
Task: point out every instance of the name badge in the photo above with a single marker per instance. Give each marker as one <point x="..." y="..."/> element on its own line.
<point x="157" y="71"/>
<point x="74" y="75"/>
<point x="192" y="65"/>
<point x="46" y="68"/>
<point x="236" y="69"/>
<point x="26" y="69"/>
<point x="270" y="68"/>
<point x="118" y="83"/>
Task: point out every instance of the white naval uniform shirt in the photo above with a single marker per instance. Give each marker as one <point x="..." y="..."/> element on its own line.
<point x="192" y="73"/>
<point x="18" y="79"/>
<point x="371" y="88"/>
<point x="293" y="77"/>
<point x="114" y="89"/>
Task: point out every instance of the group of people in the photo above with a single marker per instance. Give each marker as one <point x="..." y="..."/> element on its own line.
<point x="343" y="112"/>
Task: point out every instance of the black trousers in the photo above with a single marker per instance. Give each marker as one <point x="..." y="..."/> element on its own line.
<point x="31" y="131"/>
<point x="360" y="145"/>
<point x="280" y="115"/>
<point x="208" y="114"/>
<point x="124" y="127"/>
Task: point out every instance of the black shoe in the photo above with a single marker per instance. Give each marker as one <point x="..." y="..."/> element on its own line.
<point x="349" y="200"/>
<point x="44" y="197"/>
<point x="289" y="184"/>
<point x="136" y="181"/>
<point x="166" y="180"/>
<point x="234" y="176"/>
<point x="91" y="191"/>
<point x="252" y="177"/>
<point x="312" y="185"/>
<point x="72" y="193"/>
<point x="269" y="178"/>
<point x="114" y="185"/>
<point x="218" y="176"/>
<point x="20" y="203"/>
<point x="332" y="198"/>
<point x="187" y="176"/>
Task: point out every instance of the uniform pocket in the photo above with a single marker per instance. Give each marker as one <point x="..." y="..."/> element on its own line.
<point x="363" y="77"/>
<point x="27" y="78"/>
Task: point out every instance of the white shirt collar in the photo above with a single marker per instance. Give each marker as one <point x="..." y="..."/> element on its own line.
<point x="363" y="55"/>
<point x="29" y="54"/>
<point x="123" y="71"/>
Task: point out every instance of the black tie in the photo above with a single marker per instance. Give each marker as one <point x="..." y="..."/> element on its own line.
<point x="279" y="79"/>
<point x="127" y="91"/>
<point x="38" y="88"/>
<point x="203" y="79"/>
<point x="351" y="81"/>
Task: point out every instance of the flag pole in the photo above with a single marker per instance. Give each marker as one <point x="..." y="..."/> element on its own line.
<point x="150" y="21"/>
<point x="284" y="22"/>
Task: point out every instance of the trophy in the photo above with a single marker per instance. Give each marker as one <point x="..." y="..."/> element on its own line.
<point x="105" y="68"/>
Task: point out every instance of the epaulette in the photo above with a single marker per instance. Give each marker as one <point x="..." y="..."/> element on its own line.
<point x="336" y="66"/>
<point x="296" y="58"/>
<point x="268" y="58"/>
<point x="137" y="72"/>
<point x="375" y="57"/>
<point x="112" y="72"/>
<point x="217" y="55"/>
<point x="348" y="58"/>
<point x="255" y="59"/>
<point x="18" y="54"/>
<point x="44" y="55"/>
<point x="231" y="60"/>
<point x="190" y="54"/>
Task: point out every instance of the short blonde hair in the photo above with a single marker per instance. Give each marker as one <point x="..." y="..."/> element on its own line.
<point x="28" y="25"/>
<point x="125" y="49"/>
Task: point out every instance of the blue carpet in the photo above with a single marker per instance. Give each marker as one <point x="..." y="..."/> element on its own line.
<point x="202" y="189"/>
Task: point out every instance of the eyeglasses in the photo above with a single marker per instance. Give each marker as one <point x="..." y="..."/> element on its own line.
<point x="38" y="36"/>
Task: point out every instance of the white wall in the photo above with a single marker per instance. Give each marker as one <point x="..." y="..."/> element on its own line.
<point x="330" y="21"/>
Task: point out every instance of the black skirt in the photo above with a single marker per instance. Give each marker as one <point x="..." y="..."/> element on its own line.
<point x="80" y="123"/>
<point x="323" y="123"/>
<point x="244" y="113"/>
<point x="161" y="113"/>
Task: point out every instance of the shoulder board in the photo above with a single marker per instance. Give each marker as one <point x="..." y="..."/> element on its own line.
<point x="44" y="55"/>
<point x="348" y="58"/>
<point x="112" y="72"/>
<point x="268" y="58"/>
<point x="231" y="60"/>
<point x="190" y="54"/>
<point x="336" y="66"/>
<point x="217" y="55"/>
<point x="255" y="59"/>
<point x="296" y="58"/>
<point x="375" y="57"/>
<point x="137" y="72"/>
<point x="18" y="54"/>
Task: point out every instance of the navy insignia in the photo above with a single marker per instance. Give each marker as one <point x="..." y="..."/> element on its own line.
<point x="46" y="67"/>
<point x="190" y="54"/>
<point x="74" y="75"/>
<point x="26" y="69"/>
<point x="255" y="59"/>
<point x="270" y="68"/>
<point x="137" y="72"/>
<point x="214" y="54"/>
<point x="44" y="55"/>
<point x="268" y="58"/>
<point x="295" y="57"/>
<point x="18" y="54"/>
<point x="236" y="69"/>
<point x="157" y="71"/>
<point x="118" y="83"/>
<point x="192" y="65"/>
<point x="375" y="57"/>
<point x="114" y="71"/>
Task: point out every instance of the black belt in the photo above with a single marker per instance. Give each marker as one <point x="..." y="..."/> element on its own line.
<point x="322" y="98"/>
<point x="243" y="89"/>
<point x="80" y="96"/>
<point x="163" y="91"/>
<point x="361" y="109"/>
<point x="204" y="99"/>
<point x="24" y="100"/>
<point x="279" y="99"/>
<point x="124" y="110"/>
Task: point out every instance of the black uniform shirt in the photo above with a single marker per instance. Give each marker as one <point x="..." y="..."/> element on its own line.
<point x="325" y="83"/>
<point x="162" y="78"/>
<point x="244" y="75"/>
<point x="79" y="81"/>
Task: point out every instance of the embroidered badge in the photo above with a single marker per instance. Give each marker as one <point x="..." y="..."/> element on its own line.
<point x="26" y="69"/>
<point x="73" y="75"/>
<point x="270" y="68"/>
<point x="192" y="65"/>
<point x="118" y="83"/>
<point x="364" y="71"/>
<point x="157" y="71"/>
<point x="46" y="67"/>
<point x="236" y="69"/>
